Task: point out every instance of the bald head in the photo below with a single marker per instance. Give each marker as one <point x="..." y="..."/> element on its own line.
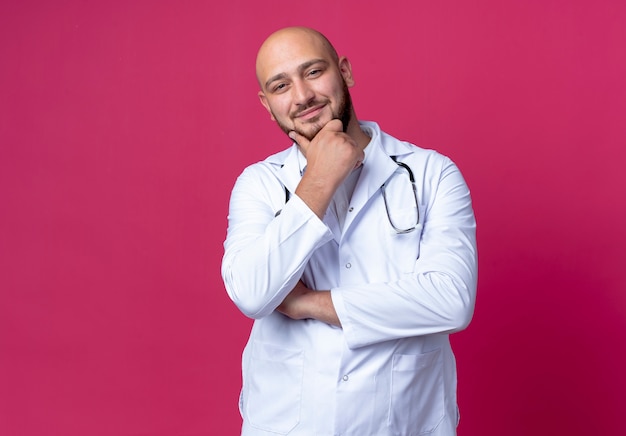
<point x="285" y="44"/>
<point x="304" y="84"/>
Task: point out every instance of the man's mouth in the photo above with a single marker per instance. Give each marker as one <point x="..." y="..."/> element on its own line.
<point x="311" y="112"/>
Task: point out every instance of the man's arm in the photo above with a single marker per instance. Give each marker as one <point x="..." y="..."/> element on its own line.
<point x="438" y="297"/>
<point x="303" y="303"/>
<point x="330" y="156"/>
<point x="265" y="255"/>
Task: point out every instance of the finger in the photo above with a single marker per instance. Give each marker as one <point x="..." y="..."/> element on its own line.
<point x="299" y="139"/>
<point x="334" y="125"/>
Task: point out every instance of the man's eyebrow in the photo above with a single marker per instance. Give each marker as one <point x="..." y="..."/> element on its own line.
<point x="301" y="68"/>
<point x="310" y="63"/>
<point x="275" y="78"/>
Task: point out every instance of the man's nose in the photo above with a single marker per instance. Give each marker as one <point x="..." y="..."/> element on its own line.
<point x="303" y="94"/>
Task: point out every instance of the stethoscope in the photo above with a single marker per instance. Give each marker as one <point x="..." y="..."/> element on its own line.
<point x="398" y="230"/>
<point x="417" y="210"/>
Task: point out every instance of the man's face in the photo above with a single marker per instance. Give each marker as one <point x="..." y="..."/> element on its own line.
<point x="303" y="85"/>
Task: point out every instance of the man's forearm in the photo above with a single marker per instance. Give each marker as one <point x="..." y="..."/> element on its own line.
<point x="304" y="303"/>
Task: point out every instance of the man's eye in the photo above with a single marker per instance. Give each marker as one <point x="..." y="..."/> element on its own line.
<point x="314" y="73"/>
<point x="279" y="87"/>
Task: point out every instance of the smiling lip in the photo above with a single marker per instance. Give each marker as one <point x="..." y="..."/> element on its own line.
<point x="310" y="113"/>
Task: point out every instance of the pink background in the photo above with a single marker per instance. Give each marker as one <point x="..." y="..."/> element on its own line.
<point x="123" y="125"/>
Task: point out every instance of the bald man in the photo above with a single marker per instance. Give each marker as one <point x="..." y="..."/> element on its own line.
<point x="355" y="254"/>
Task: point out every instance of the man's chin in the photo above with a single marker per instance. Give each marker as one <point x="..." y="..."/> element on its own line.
<point x="309" y="132"/>
<point x="308" y="129"/>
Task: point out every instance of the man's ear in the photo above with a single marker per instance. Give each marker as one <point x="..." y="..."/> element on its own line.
<point x="346" y="71"/>
<point x="265" y="104"/>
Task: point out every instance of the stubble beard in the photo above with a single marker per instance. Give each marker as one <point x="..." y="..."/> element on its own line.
<point x="343" y="113"/>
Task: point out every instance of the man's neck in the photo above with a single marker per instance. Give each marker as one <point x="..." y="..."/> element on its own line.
<point x="356" y="133"/>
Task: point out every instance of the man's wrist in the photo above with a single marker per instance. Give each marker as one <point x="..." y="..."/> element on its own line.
<point x="322" y="308"/>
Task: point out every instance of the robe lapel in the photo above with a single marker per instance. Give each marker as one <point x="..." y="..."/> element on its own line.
<point x="377" y="169"/>
<point x="289" y="172"/>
